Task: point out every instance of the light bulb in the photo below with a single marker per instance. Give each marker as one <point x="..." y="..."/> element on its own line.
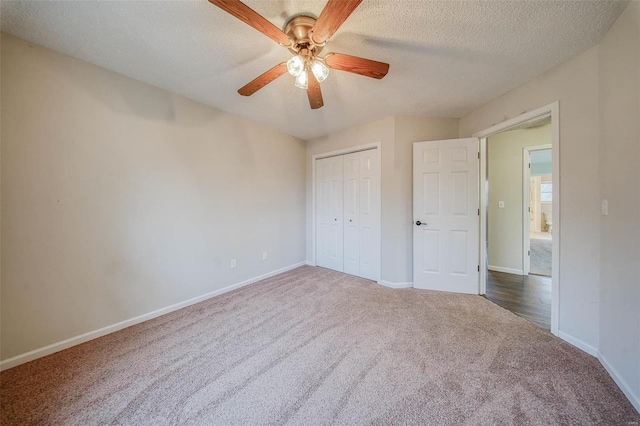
<point x="320" y="71"/>
<point x="295" y="66"/>
<point x="302" y="80"/>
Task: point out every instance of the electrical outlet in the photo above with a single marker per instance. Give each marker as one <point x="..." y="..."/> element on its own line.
<point x="233" y="263"/>
<point x="264" y="255"/>
<point x="501" y="204"/>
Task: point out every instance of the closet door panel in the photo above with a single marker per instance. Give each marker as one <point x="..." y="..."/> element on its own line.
<point x="351" y="213"/>
<point x="369" y="214"/>
<point x="329" y="213"/>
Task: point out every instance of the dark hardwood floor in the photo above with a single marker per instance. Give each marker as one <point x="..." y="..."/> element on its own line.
<point x="526" y="296"/>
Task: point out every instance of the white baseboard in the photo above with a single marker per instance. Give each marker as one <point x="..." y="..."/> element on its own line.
<point x="622" y="384"/>
<point x="578" y="343"/>
<point x="65" y="344"/>
<point x="505" y="270"/>
<point x="395" y="285"/>
<point x="309" y="263"/>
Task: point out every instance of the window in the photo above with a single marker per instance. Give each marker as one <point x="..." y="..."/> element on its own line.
<point x="546" y="190"/>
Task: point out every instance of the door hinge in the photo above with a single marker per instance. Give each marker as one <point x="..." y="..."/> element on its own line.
<point x="529" y="253"/>
<point x="529" y="165"/>
<point x="478" y="212"/>
<point x="478" y="268"/>
<point x="478" y="155"/>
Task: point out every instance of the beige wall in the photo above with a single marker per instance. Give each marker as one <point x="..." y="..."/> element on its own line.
<point x="505" y="175"/>
<point x="575" y="85"/>
<point x="599" y="98"/>
<point x="619" y="67"/>
<point x="120" y="198"/>
<point x="396" y="135"/>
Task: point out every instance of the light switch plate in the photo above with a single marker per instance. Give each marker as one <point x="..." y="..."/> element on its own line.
<point x="605" y="208"/>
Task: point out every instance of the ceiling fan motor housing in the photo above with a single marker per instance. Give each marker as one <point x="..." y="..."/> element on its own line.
<point x="299" y="30"/>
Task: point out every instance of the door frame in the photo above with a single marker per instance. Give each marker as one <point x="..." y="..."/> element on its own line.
<point x="552" y="110"/>
<point x="526" y="198"/>
<point x="358" y="148"/>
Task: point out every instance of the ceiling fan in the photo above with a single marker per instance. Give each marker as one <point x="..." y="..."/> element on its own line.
<point x="305" y="36"/>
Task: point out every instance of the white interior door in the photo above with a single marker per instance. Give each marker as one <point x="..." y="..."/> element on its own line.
<point x="329" y="212"/>
<point x="527" y="211"/>
<point x="348" y="213"/>
<point x="369" y="214"/>
<point x="446" y="215"/>
<point x="352" y="213"/>
<point x="361" y="214"/>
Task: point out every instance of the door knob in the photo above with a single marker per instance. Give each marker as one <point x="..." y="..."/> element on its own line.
<point x="420" y="223"/>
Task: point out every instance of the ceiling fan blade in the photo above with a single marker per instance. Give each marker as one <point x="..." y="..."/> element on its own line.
<point x="264" y="79"/>
<point x="333" y="15"/>
<point x="254" y="19"/>
<point x="356" y="65"/>
<point x="314" y="93"/>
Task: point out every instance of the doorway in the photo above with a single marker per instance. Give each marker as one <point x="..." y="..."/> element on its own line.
<point x="506" y="270"/>
<point x="538" y="209"/>
<point x="519" y="246"/>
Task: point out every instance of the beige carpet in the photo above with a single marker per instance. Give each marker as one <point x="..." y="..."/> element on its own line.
<point x="312" y="347"/>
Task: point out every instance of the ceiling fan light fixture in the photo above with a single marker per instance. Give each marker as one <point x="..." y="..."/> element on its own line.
<point x="305" y="36"/>
<point x="295" y="66"/>
<point x="302" y="80"/>
<point x="319" y="70"/>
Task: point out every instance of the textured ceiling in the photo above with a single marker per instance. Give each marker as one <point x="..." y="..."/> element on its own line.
<point x="447" y="58"/>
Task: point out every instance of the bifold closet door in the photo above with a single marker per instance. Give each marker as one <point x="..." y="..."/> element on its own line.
<point x="348" y="213"/>
<point x="330" y="213"/>
<point x="361" y="218"/>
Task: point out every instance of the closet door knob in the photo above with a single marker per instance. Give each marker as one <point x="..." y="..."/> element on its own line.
<point x="420" y="223"/>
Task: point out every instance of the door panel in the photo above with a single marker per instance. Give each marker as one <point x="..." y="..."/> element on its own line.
<point x="431" y="193"/>
<point x="369" y="213"/>
<point x="351" y="212"/>
<point x="446" y="200"/>
<point x="329" y="213"/>
<point x="431" y="250"/>
<point x="458" y="255"/>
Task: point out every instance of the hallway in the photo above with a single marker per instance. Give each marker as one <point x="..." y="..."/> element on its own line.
<point x="525" y="296"/>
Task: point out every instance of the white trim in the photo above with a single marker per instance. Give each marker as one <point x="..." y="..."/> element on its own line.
<point x="505" y="270"/>
<point x="526" y="199"/>
<point x="73" y="341"/>
<point x="375" y="145"/>
<point x="309" y="263"/>
<point x="526" y="211"/>
<point x="553" y="110"/>
<point x="524" y="118"/>
<point x="484" y="206"/>
<point x="578" y="343"/>
<point x="555" y="218"/>
<point x="395" y="285"/>
<point x="622" y="384"/>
